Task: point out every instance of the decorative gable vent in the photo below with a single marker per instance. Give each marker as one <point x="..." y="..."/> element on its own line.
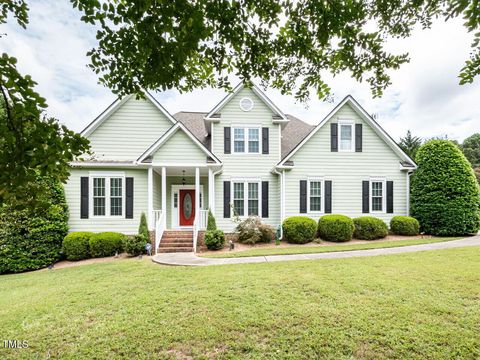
<point x="246" y="104"/>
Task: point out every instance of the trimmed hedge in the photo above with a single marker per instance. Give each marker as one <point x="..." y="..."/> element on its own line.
<point x="445" y="195"/>
<point x="404" y="225"/>
<point x="214" y="239"/>
<point x="335" y="227"/>
<point x="31" y="238"/>
<point x="369" y="228"/>
<point x="135" y="245"/>
<point x="106" y="244"/>
<point x="299" y="229"/>
<point x="76" y="245"/>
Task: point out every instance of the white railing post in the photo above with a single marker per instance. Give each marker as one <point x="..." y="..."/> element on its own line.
<point x="159" y="228"/>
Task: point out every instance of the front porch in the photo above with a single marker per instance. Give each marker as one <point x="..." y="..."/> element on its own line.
<point x="179" y="197"/>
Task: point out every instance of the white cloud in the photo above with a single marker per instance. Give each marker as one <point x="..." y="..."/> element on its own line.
<point x="424" y="96"/>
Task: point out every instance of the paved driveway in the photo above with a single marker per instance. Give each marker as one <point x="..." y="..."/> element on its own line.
<point x="190" y="259"/>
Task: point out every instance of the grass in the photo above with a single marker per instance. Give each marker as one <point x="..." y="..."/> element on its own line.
<point x="321" y="249"/>
<point x="422" y="305"/>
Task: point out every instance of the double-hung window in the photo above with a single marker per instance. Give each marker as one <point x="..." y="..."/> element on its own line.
<point x="246" y="198"/>
<point x="377" y="195"/>
<point x="315" y="194"/>
<point x="108" y="196"/>
<point x="246" y="140"/>
<point x="347" y="135"/>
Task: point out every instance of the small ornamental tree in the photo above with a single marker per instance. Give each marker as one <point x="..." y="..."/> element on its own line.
<point x="143" y="228"/>
<point x="211" y="224"/>
<point x="445" y="196"/>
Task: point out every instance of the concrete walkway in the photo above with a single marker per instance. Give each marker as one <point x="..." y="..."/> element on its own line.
<point x="190" y="259"/>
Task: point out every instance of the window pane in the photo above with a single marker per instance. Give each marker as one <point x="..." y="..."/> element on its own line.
<point x="238" y="207"/>
<point x="99" y="206"/>
<point x="253" y="190"/>
<point x="116" y="187"/>
<point x="315" y="188"/>
<point x="377" y="188"/>
<point x="116" y="206"/>
<point x="253" y="207"/>
<point x="253" y="140"/>
<point x="98" y="187"/>
<point x="239" y="140"/>
<point x="315" y="203"/>
<point x="238" y="190"/>
<point x="238" y="134"/>
<point x="345" y="137"/>
<point x="377" y="204"/>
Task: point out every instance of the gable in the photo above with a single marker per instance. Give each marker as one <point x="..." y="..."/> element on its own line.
<point x="179" y="148"/>
<point x="131" y="128"/>
<point x="260" y="113"/>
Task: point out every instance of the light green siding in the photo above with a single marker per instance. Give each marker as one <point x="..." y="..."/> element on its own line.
<point x="98" y="224"/>
<point x="157" y="191"/>
<point x="129" y="131"/>
<point x="179" y="148"/>
<point x="255" y="166"/>
<point x="346" y="170"/>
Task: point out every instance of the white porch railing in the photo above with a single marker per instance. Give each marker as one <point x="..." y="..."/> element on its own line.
<point x="156" y="216"/>
<point x="159" y="227"/>
<point x="200" y="223"/>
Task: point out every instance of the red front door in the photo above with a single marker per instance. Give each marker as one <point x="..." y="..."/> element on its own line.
<point x="187" y="207"/>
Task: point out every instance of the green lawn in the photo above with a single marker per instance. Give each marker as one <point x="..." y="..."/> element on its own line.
<point x="321" y="249"/>
<point x="422" y="305"/>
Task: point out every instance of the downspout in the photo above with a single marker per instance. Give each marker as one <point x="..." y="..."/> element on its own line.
<point x="409" y="173"/>
<point x="282" y="198"/>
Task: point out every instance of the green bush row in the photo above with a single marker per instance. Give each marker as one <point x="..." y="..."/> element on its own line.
<point x="339" y="228"/>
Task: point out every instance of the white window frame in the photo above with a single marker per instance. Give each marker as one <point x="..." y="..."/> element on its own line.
<point x="322" y="198"/>
<point x="246" y="129"/>
<point x="351" y="123"/>
<point x="107" y="176"/>
<point x="245" y="196"/>
<point x="384" y="195"/>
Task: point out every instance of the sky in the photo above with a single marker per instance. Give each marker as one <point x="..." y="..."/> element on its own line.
<point x="424" y="97"/>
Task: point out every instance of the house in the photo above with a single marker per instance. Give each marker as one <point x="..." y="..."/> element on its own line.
<point x="244" y="156"/>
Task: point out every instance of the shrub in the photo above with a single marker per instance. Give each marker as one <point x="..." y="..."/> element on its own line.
<point x="143" y="227"/>
<point x="106" y="244"/>
<point x="31" y="237"/>
<point x="369" y="228"/>
<point x="211" y="224"/>
<point x="252" y="231"/>
<point x="404" y="225"/>
<point x="335" y="228"/>
<point x="135" y="245"/>
<point x="445" y="194"/>
<point x="76" y="245"/>
<point x="214" y="239"/>
<point x="299" y="229"/>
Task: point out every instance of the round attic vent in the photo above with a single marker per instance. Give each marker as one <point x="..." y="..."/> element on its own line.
<point x="246" y="104"/>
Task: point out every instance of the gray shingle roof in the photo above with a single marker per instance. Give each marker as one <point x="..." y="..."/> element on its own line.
<point x="293" y="133"/>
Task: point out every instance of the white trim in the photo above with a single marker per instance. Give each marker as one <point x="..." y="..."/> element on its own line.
<point x="107" y="176"/>
<point x="246" y="129"/>
<point x="110" y="110"/>
<point x="257" y="91"/>
<point x="157" y="144"/>
<point x="245" y="182"/>
<point x="382" y="180"/>
<point x="104" y="164"/>
<point x="321" y="180"/>
<point x="366" y="117"/>
<point x="150" y="217"/>
<point x="350" y="123"/>
<point x="250" y="108"/>
<point x="174" y="189"/>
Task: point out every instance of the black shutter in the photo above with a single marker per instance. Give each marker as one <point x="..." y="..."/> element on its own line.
<point x="129" y="197"/>
<point x="226" y="140"/>
<point x="303" y="196"/>
<point x="226" y="199"/>
<point x="265" y="199"/>
<point x="358" y="137"/>
<point x="328" y="196"/>
<point x="366" y="196"/>
<point x="334" y="137"/>
<point x="84" y="198"/>
<point x="390" y="197"/>
<point x="265" y="140"/>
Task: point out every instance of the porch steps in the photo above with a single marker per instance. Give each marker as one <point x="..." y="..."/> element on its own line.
<point x="176" y="241"/>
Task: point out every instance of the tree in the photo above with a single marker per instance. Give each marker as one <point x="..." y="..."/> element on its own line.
<point x="410" y="144"/>
<point x="445" y="196"/>
<point x="471" y="149"/>
<point x="288" y="44"/>
<point x="31" y="144"/>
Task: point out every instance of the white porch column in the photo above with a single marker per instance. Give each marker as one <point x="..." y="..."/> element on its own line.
<point x="197" y="191"/>
<point x="164" y="194"/>
<point x="211" y="198"/>
<point x="150" y="217"/>
<point x="282" y="202"/>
